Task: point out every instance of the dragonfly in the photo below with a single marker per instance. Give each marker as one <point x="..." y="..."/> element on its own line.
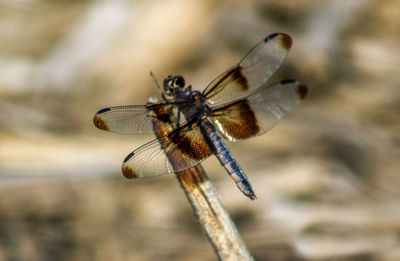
<point x="238" y="104"/>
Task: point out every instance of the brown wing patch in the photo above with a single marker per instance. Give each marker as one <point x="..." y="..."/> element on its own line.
<point x="286" y="42"/>
<point x="191" y="143"/>
<point x="129" y="172"/>
<point x="302" y="91"/>
<point x="234" y="77"/>
<point x="241" y="80"/>
<point x="100" y="123"/>
<point x="160" y="111"/>
<point x="236" y="120"/>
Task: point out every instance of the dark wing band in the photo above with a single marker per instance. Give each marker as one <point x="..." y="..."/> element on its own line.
<point x="258" y="112"/>
<point x="181" y="149"/>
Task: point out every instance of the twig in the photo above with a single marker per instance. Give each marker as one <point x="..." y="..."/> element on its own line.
<point x="214" y="219"/>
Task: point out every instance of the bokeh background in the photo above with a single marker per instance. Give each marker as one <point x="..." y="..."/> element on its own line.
<point x="327" y="177"/>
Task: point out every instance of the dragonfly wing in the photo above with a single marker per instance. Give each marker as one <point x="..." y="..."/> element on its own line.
<point x="258" y="112"/>
<point x="183" y="148"/>
<point x="133" y="119"/>
<point x="253" y="70"/>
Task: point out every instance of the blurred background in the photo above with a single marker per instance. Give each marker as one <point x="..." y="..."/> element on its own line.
<point x="327" y="177"/>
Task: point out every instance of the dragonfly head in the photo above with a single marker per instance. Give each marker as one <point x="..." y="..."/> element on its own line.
<point x="173" y="85"/>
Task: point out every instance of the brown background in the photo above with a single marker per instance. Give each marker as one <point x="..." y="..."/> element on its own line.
<point x="326" y="177"/>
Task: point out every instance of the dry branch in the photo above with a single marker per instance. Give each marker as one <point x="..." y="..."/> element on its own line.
<point x="214" y="219"/>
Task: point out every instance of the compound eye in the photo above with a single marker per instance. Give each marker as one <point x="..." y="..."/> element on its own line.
<point x="179" y="81"/>
<point x="169" y="85"/>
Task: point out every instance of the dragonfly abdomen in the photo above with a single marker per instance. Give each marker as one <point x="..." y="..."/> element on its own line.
<point x="226" y="158"/>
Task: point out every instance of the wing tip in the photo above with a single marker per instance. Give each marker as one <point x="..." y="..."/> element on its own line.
<point x="301" y="88"/>
<point x="285" y="39"/>
<point x="100" y="123"/>
<point x="128" y="172"/>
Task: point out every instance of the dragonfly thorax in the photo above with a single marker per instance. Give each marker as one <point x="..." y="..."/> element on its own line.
<point x="199" y="101"/>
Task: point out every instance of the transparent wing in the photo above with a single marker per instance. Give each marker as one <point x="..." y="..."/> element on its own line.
<point x="253" y="70"/>
<point x="133" y="119"/>
<point x="258" y="112"/>
<point x="181" y="149"/>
